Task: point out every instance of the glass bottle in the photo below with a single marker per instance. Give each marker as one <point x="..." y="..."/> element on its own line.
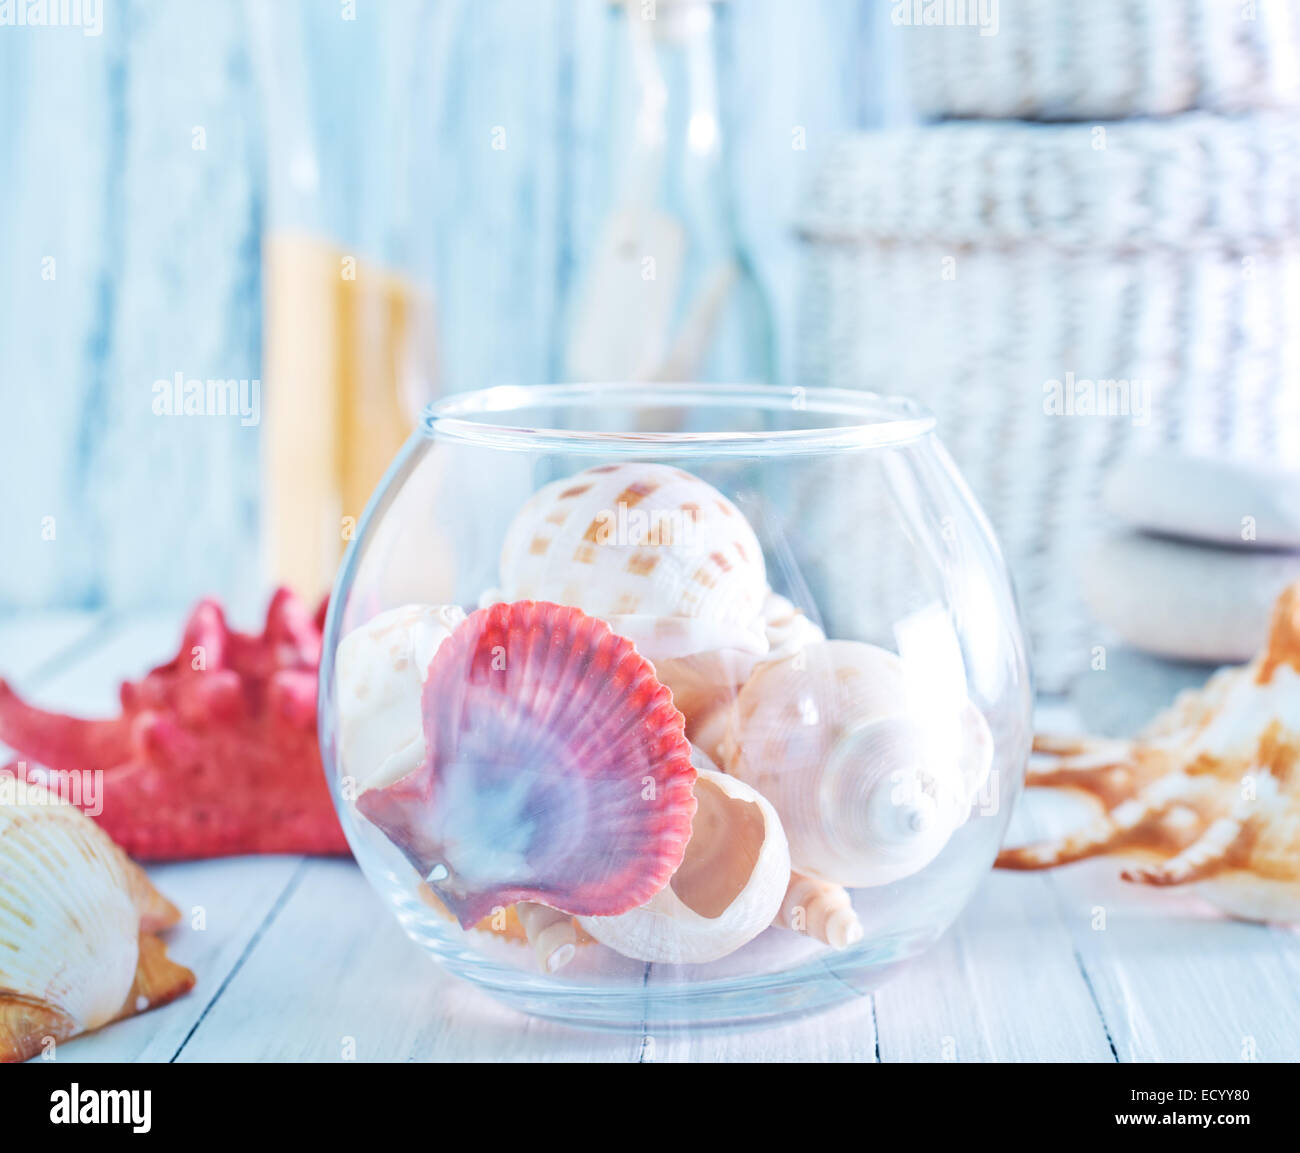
<point x="666" y="291"/>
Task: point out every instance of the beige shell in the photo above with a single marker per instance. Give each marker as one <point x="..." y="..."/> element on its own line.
<point x="1208" y="793"/>
<point x="866" y="790"/>
<point x="707" y="727"/>
<point x="379" y="672"/>
<point x="821" y="909"/>
<point x="787" y="627"/>
<point x="552" y="934"/>
<point x="727" y="890"/>
<point x="705" y="685"/>
<point x="664" y="558"/>
<point x="75" y="922"/>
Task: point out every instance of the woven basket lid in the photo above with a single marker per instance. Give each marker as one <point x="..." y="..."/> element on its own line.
<point x="1189" y="181"/>
<point x="1099" y="59"/>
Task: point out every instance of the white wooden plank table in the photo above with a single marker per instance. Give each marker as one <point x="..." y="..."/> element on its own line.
<point x="297" y="959"/>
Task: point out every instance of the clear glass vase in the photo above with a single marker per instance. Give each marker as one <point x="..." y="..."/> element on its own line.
<point x="683" y="726"/>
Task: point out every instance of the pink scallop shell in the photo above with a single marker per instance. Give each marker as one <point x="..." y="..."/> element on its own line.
<point x="556" y="769"/>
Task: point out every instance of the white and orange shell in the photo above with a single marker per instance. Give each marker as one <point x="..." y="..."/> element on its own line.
<point x="663" y="557"/>
<point x="379" y="671"/>
<point x="77" y="926"/>
<point x="866" y="790"/>
<point x="728" y="888"/>
<point x="1207" y="794"/>
<point x="787" y="627"/>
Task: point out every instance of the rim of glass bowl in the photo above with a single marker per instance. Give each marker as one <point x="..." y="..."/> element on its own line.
<point x="867" y="419"/>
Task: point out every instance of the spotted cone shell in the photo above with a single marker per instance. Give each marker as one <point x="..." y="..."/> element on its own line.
<point x="663" y="557"/>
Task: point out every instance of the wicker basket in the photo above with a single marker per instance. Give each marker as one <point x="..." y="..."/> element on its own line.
<point x="973" y="265"/>
<point x="1109" y="59"/>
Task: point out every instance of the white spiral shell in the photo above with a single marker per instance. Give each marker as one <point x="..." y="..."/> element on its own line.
<point x="379" y="671"/>
<point x="865" y="791"/>
<point x="664" y="558"/>
<point x="727" y="890"/>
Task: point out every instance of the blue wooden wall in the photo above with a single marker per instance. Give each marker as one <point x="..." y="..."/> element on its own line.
<point x="141" y="167"/>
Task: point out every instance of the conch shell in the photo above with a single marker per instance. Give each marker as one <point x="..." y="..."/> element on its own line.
<point x="867" y="792"/>
<point x="664" y="558"/>
<point x="77" y="926"/>
<point x="728" y="888"/>
<point x="1209" y="791"/>
<point x="379" y="672"/>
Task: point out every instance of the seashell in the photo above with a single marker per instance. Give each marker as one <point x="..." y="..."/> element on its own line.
<point x="664" y="558"/>
<point x="821" y="909"/>
<point x="866" y="792"/>
<point x="379" y="672"/>
<point x="77" y="919"/>
<point x="506" y="923"/>
<point x="707" y="729"/>
<point x="1209" y="789"/>
<point x="552" y="934"/>
<point x="555" y="770"/>
<point x="787" y="628"/>
<point x="706" y="683"/>
<point x="726" y="891"/>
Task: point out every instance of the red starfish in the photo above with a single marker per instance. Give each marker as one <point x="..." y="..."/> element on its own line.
<point x="215" y="752"/>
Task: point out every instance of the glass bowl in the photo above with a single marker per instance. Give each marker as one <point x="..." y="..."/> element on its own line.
<point x="584" y="728"/>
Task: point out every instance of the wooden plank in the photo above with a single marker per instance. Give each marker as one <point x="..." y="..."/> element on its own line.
<point x="138" y="260"/>
<point x="174" y="496"/>
<point x="1173" y="978"/>
<point x="334" y="974"/>
<point x="845" y="1033"/>
<point x="224" y="905"/>
<point x="33" y="646"/>
<point x="118" y="650"/>
<point x="497" y="211"/>
<point x="1002" y="985"/>
<point x="58" y="144"/>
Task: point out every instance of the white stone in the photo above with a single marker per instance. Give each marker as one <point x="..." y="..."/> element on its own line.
<point x="1182" y="600"/>
<point x="1224" y="502"/>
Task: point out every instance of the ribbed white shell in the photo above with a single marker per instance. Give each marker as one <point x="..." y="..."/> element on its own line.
<point x="68" y="923"/>
<point x="379" y="673"/>
<point x="639" y="544"/>
<point x="666" y="929"/>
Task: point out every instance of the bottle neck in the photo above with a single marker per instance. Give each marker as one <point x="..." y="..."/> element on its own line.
<point x="677" y="158"/>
